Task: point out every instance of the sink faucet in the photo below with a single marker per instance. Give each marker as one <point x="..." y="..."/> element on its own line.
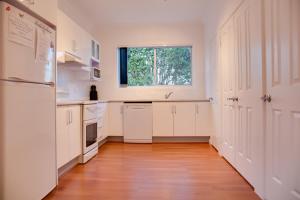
<point x="167" y="96"/>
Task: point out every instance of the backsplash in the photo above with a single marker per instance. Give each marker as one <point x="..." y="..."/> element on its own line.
<point x="73" y="83"/>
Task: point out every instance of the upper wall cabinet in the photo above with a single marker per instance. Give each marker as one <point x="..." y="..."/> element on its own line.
<point x="45" y="8"/>
<point x="73" y="40"/>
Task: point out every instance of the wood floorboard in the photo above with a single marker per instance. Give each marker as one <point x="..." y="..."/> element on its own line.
<point x="154" y="172"/>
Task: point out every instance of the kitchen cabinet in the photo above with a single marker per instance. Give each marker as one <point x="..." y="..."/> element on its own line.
<point x="115" y="118"/>
<point x="75" y="131"/>
<point x="45" y="8"/>
<point x="67" y="35"/>
<point x="68" y="134"/>
<point x="95" y="50"/>
<point x="163" y="122"/>
<point x="180" y="119"/>
<point x="73" y="39"/>
<point x="62" y="136"/>
<point x="204" y="119"/>
<point x="184" y="119"/>
<point x="102" y="121"/>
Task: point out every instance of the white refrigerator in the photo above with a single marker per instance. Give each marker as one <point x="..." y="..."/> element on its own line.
<point x="27" y="105"/>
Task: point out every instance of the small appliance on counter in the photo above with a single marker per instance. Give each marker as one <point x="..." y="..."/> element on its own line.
<point x="93" y="93"/>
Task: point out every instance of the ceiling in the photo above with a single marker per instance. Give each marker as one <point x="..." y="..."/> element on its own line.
<point x="101" y="12"/>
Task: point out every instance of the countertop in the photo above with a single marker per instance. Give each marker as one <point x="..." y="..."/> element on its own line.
<point x="65" y="102"/>
<point x="160" y="101"/>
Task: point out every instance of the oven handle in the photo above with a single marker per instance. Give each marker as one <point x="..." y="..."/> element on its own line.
<point x="89" y="122"/>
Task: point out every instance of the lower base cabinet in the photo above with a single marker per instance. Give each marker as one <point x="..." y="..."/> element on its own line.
<point x="204" y="119"/>
<point x="182" y="119"/>
<point x="68" y="134"/>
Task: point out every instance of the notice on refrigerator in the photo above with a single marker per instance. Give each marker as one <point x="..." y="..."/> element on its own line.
<point x="44" y="46"/>
<point x="20" y="30"/>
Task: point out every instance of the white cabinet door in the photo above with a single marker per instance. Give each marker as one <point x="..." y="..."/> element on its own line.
<point x="184" y="119"/>
<point x="283" y="112"/>
<point x="85" y="47"/>
<point x="75" y="130"/>
<point x="68" y="35"/>
<point x="204" y="119"/>
<point x="115" y="119"/>
<point x="163" y="122"/>
<point x="102" y="121"/>
<point x="62" y="136"/>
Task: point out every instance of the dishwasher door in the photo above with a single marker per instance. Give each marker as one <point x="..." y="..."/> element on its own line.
<point x="138" y="123"/>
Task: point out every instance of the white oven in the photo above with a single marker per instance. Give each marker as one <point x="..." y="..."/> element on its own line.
<point x="89" y="132"/>
<point x="90" y="135"/>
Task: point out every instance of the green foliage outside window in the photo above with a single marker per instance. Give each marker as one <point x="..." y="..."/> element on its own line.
<point x="159" y="66"/>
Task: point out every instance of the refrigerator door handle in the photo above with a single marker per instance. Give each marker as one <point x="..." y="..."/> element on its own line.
<point x="17" y="79"/>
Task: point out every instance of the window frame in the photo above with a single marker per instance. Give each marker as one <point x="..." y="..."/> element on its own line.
<point x="155" y="67"/>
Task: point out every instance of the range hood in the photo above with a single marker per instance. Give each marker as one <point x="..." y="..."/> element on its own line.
<point x="67" y="58"/>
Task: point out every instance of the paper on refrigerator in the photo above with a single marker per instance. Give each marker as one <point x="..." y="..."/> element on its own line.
<point x="44" y="46"/>
<point x="21" y="30"/>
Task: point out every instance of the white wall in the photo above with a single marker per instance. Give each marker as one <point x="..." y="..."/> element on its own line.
<point x="212" y="24"/>
<point x="81" y="18"/>
<point x="134" y="35"/>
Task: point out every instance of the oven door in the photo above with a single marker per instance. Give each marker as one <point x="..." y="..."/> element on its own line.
<point x="90" y="135"/>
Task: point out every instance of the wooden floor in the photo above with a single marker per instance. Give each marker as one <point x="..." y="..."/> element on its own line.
<point x="154" y="172"/>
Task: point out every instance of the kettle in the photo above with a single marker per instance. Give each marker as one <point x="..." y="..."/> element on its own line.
<point x="93" y="93"/>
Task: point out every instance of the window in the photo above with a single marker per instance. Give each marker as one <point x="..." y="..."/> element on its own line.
<point x="156" y="66"/>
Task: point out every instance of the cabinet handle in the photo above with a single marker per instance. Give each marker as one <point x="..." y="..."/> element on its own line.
<point x="71" y="117"/>
<point x="175" y="110"/>
<point x="68" y="117"/>
<point x="121" y="110"/>
<point x="197" y="109"/>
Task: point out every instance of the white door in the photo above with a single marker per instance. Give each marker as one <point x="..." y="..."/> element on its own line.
<point x="138" y="123"/>
<point x="283" y="112"/>
<point x="62" y="135"/>
<point x="27" y="141"/>
<point x="204" y="119"/>
<point x="115" y="119"/>
<point x="184" y="119"/>
<point x="75" y="132"/>
<point x="22" y="58"/>
<point x="227" y="64"/>
<point x="249" y="89"/>
<point x="216" y="92"/>
<point x="163" y="121"/>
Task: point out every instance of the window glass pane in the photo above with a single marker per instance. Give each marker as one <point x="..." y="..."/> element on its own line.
<point x="174" y="66"/>
<point x="140" y="66"/>
<point x="159" y="66"/>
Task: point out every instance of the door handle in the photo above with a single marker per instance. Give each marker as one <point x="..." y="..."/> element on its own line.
<point x="233" y="99"/>
<point x="197" y="109"/>
<point x="267" y="98"/>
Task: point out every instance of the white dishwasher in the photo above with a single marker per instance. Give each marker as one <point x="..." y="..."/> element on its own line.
<point x="138" y="122"/>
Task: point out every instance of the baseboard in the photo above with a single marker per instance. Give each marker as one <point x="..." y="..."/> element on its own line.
<point x="67" y="167"/>
<point x="115" y="139"/>
<point x="199" y="139"/>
